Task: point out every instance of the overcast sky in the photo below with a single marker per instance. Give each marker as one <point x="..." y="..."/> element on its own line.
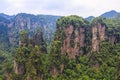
<point x="82" y="8"/>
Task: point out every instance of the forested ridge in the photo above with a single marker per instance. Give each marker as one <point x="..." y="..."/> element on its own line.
<point x="79" y="50"/>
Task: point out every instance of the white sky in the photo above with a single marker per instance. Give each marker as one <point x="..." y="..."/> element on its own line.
<point x="82" y="8"/>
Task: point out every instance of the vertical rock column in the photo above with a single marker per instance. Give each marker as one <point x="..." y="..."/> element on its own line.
<point x="98" y="35"/>
<point x="18" y="68"/>
<point x="74" y="41"/>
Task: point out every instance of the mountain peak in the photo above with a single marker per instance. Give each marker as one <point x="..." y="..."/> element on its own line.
<point x="6" y="16"/>
<point x="109" y="14"/>
<point x="90" y="17"/>
<point x="113" y="11"/>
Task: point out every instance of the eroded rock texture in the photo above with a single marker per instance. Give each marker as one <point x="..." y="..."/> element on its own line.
<point x="19" y="68"/>
<point x="98" y="35"/>
<point x="74" y="41"/>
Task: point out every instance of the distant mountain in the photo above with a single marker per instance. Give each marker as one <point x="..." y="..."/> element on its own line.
<point x="90" y="17"/>
<point x="4" y="39"/>
<point x="117" y="16"/>
<point x="110" y="14"/>
<point x="3" y="19"/>
<point x="6" y="16"/>
<point x="29" y="22"/>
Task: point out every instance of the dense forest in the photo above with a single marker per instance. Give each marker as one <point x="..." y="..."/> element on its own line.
<point x="79" y="50"/>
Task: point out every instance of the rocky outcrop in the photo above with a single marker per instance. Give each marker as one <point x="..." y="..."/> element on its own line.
<point x="28" y="56"/>
<point x="71" y="33"/>
<point x="112" y="39"/>
<point x="19" y="68"/>
<point x="54" y="71"/>
<point x="98" y="35"/>
<point x="31" y="23"/>
<point x="74" y="41"/>
<point x="4" y="39"/>
<point x="15" y="24"/>
<point x="37" y="39"/>
<point x="7" y="75"/>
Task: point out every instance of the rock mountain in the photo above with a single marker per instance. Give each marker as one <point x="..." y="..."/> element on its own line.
<point x="89" y="44"/>
<point x="13" y="25"/>
<point x="109" y="14"/>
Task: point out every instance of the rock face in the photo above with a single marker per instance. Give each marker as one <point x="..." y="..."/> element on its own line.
<point x="37" y="38"/>
<point x="7" y="75"/>
<point x="54" y="71"/>
<point x="19" y="68"/>
<point x="4" y="39"/>
<point x="72" y="35"/>
<point x="29" y="23"/>
<point x="74" y="41"/>
<point x="98" y="35"/>
<point x="112" y="39"/>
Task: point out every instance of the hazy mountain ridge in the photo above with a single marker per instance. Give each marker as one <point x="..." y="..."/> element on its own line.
<point x="30" y="23"/>
<point x="6" y="16"/>
<point x="90" y="18"/>
<point x="109" y="14"/>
